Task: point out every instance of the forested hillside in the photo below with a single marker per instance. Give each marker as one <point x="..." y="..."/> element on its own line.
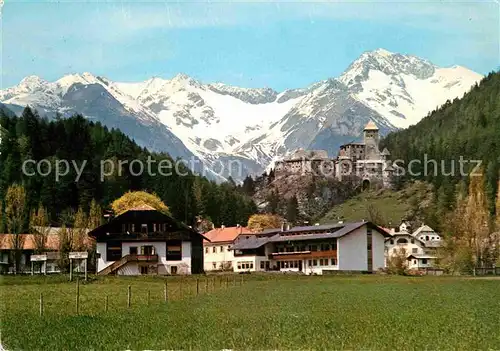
<point x="468" y="127"/>
<point x="76" y="139"/>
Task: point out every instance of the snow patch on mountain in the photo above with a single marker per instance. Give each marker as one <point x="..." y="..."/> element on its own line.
<point x="219" y="122"/>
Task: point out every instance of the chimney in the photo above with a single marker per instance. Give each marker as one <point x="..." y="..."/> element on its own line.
<point x="316" y="223"/>
<point x="237" y="225"/>
<point x="282" y="226"/>
<point x="222" y="226"/>
<point x="341" y="222"/>
<point x="288" y="226"/>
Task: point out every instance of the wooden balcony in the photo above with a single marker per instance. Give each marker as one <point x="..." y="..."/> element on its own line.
<point x="303" y="255"/>
<point x="143" y="258"/>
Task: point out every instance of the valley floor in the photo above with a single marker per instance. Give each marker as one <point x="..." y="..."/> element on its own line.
<point x="260" y="312"/>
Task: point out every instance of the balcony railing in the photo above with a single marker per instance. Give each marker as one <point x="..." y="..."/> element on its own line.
<point x="302" y="254"/>
<point x="143" y="258"/>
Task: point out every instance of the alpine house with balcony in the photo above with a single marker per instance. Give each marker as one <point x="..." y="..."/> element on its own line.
<point x="355" y="247"/>
<point x="143" y="240"/>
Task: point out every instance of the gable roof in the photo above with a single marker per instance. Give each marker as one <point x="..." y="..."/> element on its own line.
<point x="142" y="207"/>
<point x="141" y="212"/>
<point x="226" y="234"/>
<point x="52" y="242"/>
<point x="371" y="126"/>
<point x="337" y="230"/>
<point x="423" y="228"/>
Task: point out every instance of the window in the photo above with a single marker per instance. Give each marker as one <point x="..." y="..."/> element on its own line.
<point x="174" y="250"/>
<point x="334" y="244"/>
<point x="132" y="227"/>
<point x="214" y="265"/>
<point x="392" y="242"/>
<point x="214" y="249"/>
<point x="426" y="238"/>
<point x="310" y="263"/>
<point x="315" y="262"/>
<point x="222" y="249"/>
<point x="414" y="250"/>
<point x="228" y="248"/>
<point x="402" y="241"/>
<point x="414" y="261"/>
<point x="333" y="261"/>
<point x="154" y="227"/>
<point x="173" y="269"/>
<point x="133" y="250"/>
<point x="113" y="251"/>
<point x="413" y="241"/>
<point x="424" y="261"/>
<point x="147" y="250"/>
<point x="261" y="264"/>
<point x="144" y="228"/>
<point x="239" y="265"/>
<point x="313" y="248"/>
<point x="325" y="247"/>
<point x="144" y="269"/>
<point x="206" y="250"/>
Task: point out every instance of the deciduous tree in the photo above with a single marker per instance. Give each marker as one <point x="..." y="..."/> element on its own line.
<point x="40" y="228"/>
<point x="259" y="222"/>
<point x="133" y="199"/>
<point x="15" y="201"/>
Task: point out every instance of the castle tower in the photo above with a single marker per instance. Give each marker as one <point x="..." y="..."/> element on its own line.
<point x="370" y="133"/>
<point x="371" y="140"/>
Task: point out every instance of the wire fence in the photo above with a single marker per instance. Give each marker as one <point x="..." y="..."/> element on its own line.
<point x="102" y="296"/>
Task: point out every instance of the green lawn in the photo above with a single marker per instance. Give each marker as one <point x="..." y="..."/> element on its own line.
<point x="286" y="313"/>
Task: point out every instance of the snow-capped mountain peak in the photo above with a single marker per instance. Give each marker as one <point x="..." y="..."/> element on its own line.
<point x="218" y="122"/>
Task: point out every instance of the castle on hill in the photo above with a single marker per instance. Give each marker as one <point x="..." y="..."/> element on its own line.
<point x="362" y="161"/>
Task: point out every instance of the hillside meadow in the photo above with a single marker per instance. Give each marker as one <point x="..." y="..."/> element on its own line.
<point x="258" y="312"/>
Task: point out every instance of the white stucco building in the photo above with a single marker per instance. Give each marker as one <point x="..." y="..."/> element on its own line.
<point x="356" y="247"/>
<point x="419" y="247"/>
<point x="218" y="255"/>
<point x="143" y="240"/>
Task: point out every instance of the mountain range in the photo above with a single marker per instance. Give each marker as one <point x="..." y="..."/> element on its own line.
<point x="218" y="123"/>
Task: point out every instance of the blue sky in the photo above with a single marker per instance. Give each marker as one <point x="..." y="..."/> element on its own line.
<point x="251" y="44"/>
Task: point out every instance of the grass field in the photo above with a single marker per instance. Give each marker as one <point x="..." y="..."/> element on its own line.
<point x="272" y="312"/>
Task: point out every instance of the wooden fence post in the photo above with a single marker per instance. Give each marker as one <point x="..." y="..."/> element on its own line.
<point x="106" y="304"/>
<point x="166" y="291"/>
<point x="129" y="292"/>
<point x="206" y="285"/>
<point x="241" y="281"/>
<point x="41" y="304"/>
<point x="227" y="281"/>
<point x="181" y="287"/>
<point x="77" y="296"/>
<point x="149" y="296"/>
<point x="197" y="286"/>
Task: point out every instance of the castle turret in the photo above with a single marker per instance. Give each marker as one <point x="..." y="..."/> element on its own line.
<point x="370" y="133"/>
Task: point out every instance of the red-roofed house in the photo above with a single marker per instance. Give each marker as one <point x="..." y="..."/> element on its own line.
<point x="218" y="254"/>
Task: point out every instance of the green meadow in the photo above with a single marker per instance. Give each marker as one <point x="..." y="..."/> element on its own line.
<point x="259" y="313"/>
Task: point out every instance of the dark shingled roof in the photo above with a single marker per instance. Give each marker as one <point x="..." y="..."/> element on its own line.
<point x="337" y="230"/>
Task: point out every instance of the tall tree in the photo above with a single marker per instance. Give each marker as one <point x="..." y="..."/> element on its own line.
<point x="292" y="209"/>
<point x="15" y="203"/>
<point x="40" y="228"/>
<point x="80" y="228"/>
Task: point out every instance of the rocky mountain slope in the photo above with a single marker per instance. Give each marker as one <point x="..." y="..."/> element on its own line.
<point x="220" y="124"/>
